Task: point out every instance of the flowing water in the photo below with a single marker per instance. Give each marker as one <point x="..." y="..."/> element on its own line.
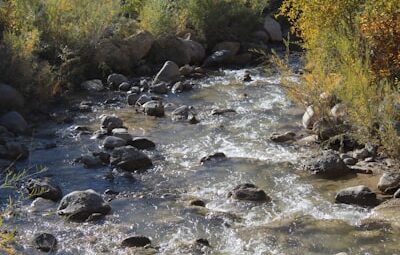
<point x="301" y="219"/>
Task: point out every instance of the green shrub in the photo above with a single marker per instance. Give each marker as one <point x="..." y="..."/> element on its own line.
<point x="159" y="17"/>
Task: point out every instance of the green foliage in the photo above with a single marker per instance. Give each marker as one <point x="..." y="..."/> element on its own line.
<point x="353" y="54"/>
<point x="159" y="17"/>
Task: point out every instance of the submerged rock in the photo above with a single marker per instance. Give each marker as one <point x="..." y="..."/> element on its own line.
<point x="80" y="205"/>
<point x="44" y="188"/>
<point x="136" y="241"/>
<point x="359" y="195"/>
<point x="281" y="138"/>
<point x="249" y="192"/>
<point x="197" y="202"/>
<point x="329" y="166"/>
<point x="89" y="161"/>
<point x="130" y="159"/>
<point x="45" y="242"/>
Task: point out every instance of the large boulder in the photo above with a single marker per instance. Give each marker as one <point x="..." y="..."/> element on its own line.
<point x="14" y="122"/>
<point x="359" y="195"/>
<point x="273" y="28"/>
<point x="123" y="55"/>
<point x="329" y="165"/>
<point x="10" y="98"/>
<point x="168" y="73"/>
<point x="44" y="188"/>
<point x="233" y="47"/>
<point x="389" y="182"/>
<point x="80" y="205"/>
<point x="196" y="51"/>
<point x="249" y="192"/>
<point x="170" y="48"/>
<point x="130" y="159"/>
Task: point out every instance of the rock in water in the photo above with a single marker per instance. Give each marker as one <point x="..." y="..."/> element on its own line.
<point x="136" y="241"/>
<point x="80" y="205"/>
<point x="10" y="98"/>
<point x="329" y="166"/>
<point x="45" y="242"/>
<point x="142" y="143"/>
<point x="213" y="157"/>
<point x="154" y="108"/>
<point x="130" y="159"/>
<point x="389" y="181"/>
<point x="180" y="113"/>
<point x="44" y="188"/>
<point x="112" y="142"/>
<point x="249" y="192"/>
<point x="168" y="73"/>
<point x="109" y="122"/>
<point x="115" y="80"/>
<point x="359" y="195"/>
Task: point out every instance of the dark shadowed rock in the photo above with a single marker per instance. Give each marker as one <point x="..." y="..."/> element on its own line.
<point x="112" y="142"/>
<point x="180" y="113"/>
<point x="142" y="143"/>
<point x="213" y="157"/>
<point x="115" y="80"/>
<point x="233" y="47"/>
<point x="90" y="161"/>
<point x="121" y="133"/>
<point x="222" y="111"/>
<point x="130" y="159"/>
<point x="14" y="151"/>
<point x="14" y="122"/>
<point x="44" y="188"/>
<point x="249" y="192"/>
<point x="136" y="241"/>
<point x="197" y="202"/>
<point x="359" y="195"/>
<point x="218" y="58"/>
<point x="10" y="98"/>
<point x="80" y="205"/>
<point x="125" y="86"/>
<point x="132" y="98"/>
<point x="329" y="165"/>
<point x="45" y="242"/>
<point x="159" y="88"/>
<point x="281" y="138"/>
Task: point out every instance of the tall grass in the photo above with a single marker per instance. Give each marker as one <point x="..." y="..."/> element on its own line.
<point x="347" y="57"/>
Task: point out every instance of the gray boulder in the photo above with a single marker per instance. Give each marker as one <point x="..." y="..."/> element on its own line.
<point x="389" y="182"/>
<point x="159" y="88"/>
<point x="93" y="85"/>
<point x="122" y="55"/>
<point x="329" y="166"/>
<point x="10" y="98"/>
<point x="196" y="51"/>
<point x="154" y="108"/>
<point x="112" y="142"/>
<point x="273" y="28"/>
<point x="359" y="195"/>
<point x="132" y="98"/>
<point x="143" y="99"/>
<point x="80" y="205"/>
<point x="171" y="48"/>
<point x="122" y="133"/>
<point x="168" y="73"/>
<point x="125" y="86"/>
<point x="14" y="122"/>
<point x="44" y="188"/>
<point x="115" y="80"/>
<point x="109" y="122"/>
<point x="130" y="159"/>
<point x="249" y="192"/>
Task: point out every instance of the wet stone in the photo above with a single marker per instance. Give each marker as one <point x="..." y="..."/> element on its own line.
<point x="281" y="138"/>
<point x="213" y="157"/>
<point x="110" y="122"/>
<point x="359" y="195"/>
<point x="389" y="181"/>
<point x="136" y="241"/>
<point x="142" y="143"/>
<point x="112" y="142"/>
<point x="197" y="202"/>
<point x="44" y="188"/>
<point x="154" y="108"/>
<point x="329" y="166"/>
<point x="130" y="159"/>
<point x="45" y="242"/>
<point x="249" y="192"/>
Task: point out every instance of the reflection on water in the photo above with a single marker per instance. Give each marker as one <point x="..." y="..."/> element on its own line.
<point x="302" y="219"/>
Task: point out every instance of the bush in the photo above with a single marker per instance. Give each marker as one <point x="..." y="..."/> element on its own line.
<point x="352" y="54"/>
<point x="159" y="16"/>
